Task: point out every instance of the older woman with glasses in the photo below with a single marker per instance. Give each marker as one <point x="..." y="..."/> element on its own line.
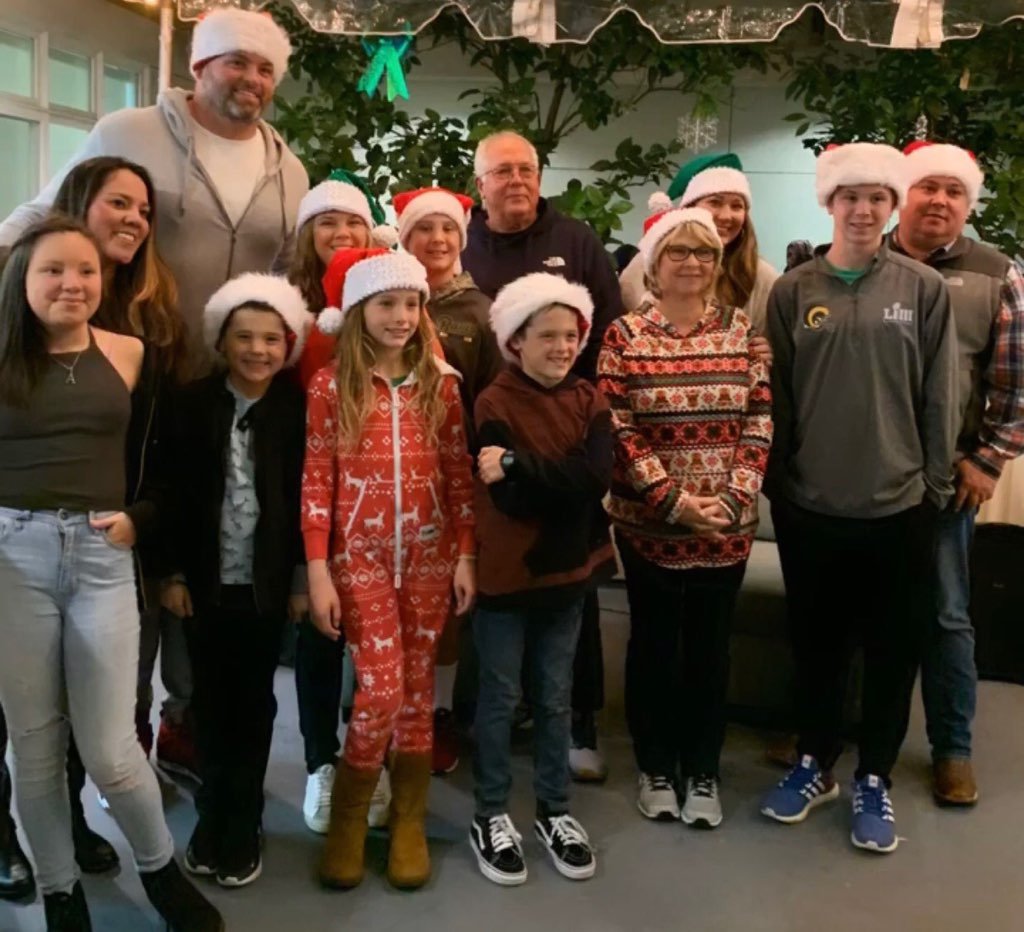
<point x="691" y="412"/>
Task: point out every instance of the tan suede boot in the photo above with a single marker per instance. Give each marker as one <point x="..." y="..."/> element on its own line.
<point x="409" y="859"/>
<point x="341" y="865"/>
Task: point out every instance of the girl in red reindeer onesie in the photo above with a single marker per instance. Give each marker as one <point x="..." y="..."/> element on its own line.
<point x="388" y="527"/>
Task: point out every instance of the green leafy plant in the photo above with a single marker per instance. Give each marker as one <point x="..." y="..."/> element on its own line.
<point x="969" y="93"/>
<point x="546" y="93"/>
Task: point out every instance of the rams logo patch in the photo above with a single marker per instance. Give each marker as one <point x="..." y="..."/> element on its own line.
<point x="815" y="317"/>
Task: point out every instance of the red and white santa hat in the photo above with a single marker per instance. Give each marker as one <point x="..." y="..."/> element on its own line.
<point x="923" y="159"/>
<point x="856" y="163"/>
<point x="660" y="226"/>
<point x="226" y="30"/>
<point x="357" y="274"/>
<point x="523" y="297"/>
<point x="413" y="206"/>
<point x="258" y="288"/>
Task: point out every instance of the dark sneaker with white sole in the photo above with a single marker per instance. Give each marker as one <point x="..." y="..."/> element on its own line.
<point x="568" y="845"/>
<point x="498" y="849"/>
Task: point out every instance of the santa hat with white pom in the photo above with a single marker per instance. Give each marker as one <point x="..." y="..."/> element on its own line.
<point x="256" y="288"/>
<point x="357" y="274"/>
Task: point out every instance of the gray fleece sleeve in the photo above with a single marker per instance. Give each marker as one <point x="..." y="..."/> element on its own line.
<point x="940" y="408"/>
<point x="778" y="327"/>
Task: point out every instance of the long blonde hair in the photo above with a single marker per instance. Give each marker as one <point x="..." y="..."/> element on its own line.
<point x="354" y="361"/>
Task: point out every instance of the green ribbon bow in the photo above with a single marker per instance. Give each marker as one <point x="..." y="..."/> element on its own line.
<point x="386" y="61"/>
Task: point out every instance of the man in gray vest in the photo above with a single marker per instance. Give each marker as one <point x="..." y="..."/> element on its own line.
<point x="987" y="293"/>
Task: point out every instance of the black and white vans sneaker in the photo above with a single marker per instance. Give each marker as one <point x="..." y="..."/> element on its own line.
<point x="498" y="849"/>
<point x="568" y="845"/>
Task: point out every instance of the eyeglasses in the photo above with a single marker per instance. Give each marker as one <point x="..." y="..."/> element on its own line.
<point x="682" y="253"/>
<point x="505" y="172"/>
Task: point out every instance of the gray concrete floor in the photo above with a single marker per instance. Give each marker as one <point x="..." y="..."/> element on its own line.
<point x="954" y="871"/>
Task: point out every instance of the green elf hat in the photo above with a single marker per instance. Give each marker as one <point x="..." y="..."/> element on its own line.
<point x="341" y="174"/>
<point x="381" y="232"/>
<point x="710" y="174"/>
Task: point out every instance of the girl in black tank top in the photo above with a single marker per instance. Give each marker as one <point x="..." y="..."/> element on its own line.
<point x="68" y="617"/>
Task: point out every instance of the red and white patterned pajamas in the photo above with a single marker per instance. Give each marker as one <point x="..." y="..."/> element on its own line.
<point x="391" y="518"/>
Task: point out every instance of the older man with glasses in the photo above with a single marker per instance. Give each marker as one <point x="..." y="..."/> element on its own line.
<point x="515" y="231"/>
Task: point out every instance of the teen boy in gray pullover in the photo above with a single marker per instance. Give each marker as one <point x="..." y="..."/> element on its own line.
<point x="865" y="410"/>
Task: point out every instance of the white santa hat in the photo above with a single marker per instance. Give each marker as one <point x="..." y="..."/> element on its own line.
<point x="859" y="163"/>
<point x="357" y="274"/>
<point x="333" y="195"/>
<point x="520" y="299"/>
<point x="923" y="159"/>
<point x="231" y="30"/>
<point x="659" y="227"/>
<point x="719" y="180"/>
<point x="257" y="287"/>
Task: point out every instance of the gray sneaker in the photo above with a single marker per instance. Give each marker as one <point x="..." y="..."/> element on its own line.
<point x="656" y="798"/>
<point x="702" y="808"/>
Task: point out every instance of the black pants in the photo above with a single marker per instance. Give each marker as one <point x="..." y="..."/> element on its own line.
<point x="234" y="650"/>
<point x="318" y="681"/>
<point x="588" y="665"/>
<point x="677" y="662"/>
<point x="856" y="582"/>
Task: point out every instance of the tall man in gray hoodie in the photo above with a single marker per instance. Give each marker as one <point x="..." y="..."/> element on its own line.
<point x="228" y="188"/>
<point x="228" y="191"/>
<point x="865" y="408"/>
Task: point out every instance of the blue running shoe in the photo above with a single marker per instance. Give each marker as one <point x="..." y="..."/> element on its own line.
<point x="874" y="825"/>
<point x="803" y="788"/>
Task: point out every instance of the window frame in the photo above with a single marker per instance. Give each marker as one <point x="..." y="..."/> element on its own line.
<point x="38" y="110"/>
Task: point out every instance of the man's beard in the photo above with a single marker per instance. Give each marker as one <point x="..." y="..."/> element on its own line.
<point x="236" y="111"/>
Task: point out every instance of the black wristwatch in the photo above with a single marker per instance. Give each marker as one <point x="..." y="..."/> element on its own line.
<point x="508" y="461"/>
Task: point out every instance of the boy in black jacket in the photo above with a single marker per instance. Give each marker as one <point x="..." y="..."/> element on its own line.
<point x="544" y="466"/>
<point x="238" y="441"/>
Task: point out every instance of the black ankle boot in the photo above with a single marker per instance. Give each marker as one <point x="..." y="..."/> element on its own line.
<point x="16" y="880"/>
<point x="183" y="907"/>
<point x="94" y="854"/>
<point x="67" y="912"/>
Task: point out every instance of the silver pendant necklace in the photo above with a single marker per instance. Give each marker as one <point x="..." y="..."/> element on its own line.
<point x="70" y="380"/>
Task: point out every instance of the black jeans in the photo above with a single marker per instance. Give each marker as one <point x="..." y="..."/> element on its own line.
<point x="856" y="582"/>
<point x="234" y="650"/>
<point x="318" y="681"/>
<point x="677" y="662"/>
<point x="588" y="664"/>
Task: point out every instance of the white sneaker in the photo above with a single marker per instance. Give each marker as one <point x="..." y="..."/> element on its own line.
<point x="380" y="803"/>
<point x="702" y="808"/>
<point x="316" y="807"/>
<point x="586" y="765"/>
<point x="656" y="798"/>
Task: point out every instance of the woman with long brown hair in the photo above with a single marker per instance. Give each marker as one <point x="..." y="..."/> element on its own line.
<point x="717" y="183"/>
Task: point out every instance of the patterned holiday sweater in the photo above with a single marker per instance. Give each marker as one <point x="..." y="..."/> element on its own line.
<point x="691" y="415"/>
